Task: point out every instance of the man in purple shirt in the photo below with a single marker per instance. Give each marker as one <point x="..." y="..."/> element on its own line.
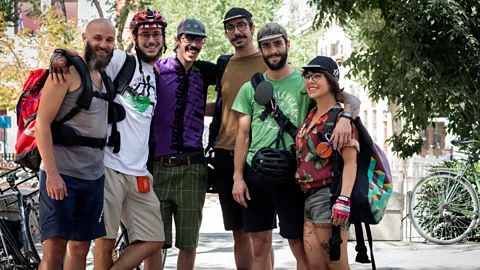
<point x="179" y="168"/>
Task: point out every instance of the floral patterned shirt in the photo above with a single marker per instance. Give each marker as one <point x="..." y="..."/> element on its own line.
<point x="314" y="171"/>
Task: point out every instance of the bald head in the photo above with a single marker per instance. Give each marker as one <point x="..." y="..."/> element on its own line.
<point x="100" y="24"/>
<point x="99" y="41"/>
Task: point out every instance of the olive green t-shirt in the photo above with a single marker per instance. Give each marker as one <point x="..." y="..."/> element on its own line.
<point x="239" y="70"/>
<point x="289" y="98"/>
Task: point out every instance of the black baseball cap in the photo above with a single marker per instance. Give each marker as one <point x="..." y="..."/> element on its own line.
<point x="237" y="12"/>
<point x="324" y="63"/>
<point x="191" y="26"/>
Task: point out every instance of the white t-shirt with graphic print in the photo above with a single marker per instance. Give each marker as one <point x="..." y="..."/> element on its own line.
<point x="139" y="102"/>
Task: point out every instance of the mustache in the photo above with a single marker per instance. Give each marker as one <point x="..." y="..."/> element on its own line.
<point x="275" y="54"/>
<point x="237" y="37"/>
<point x="192" y="48"/>
<point x="151" y="44"/>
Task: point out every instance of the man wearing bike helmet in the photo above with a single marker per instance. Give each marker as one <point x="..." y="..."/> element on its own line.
<point x="265" y="193"/>
<point x="179" y="168"/>
<point x="128" y="194"/>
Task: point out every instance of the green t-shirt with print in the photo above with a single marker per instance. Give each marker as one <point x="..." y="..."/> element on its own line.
<point x="289" y="98"/>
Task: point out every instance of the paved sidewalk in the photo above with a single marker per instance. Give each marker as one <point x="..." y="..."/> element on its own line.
<point x="216" y="251"/>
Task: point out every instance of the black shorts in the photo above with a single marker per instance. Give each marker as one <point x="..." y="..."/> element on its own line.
<point x="232" y="211"/>
<point x="266" y="202"/>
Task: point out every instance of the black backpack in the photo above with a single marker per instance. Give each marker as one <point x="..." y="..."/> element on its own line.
<point x="370" y="194"/>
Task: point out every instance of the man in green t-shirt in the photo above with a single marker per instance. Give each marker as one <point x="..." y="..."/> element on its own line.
<point x="261" y="203"/>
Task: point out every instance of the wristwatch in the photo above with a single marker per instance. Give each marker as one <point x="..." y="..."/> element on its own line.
<point x="347" y="115"/>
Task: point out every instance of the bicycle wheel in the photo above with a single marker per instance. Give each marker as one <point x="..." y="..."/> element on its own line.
<point x="33" y="232"/>
<point x="10" y="251"/>
<point x="444" y="208"/>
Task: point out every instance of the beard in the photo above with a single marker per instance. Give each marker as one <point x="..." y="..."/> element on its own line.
<point x="93" y="61"/>
<point x="280" y="64"/>
<point x="147" y="58"/>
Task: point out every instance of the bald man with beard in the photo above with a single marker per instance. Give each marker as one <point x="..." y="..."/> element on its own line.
<point x="72" y="178"/>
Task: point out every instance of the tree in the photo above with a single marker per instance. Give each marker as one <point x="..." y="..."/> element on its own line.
<point x="32" y="49"/>
<point x="211" y="14"/>
<point x="423" y="56"/>
<point x="303" y="38"/>
<point x="11" y="10"/>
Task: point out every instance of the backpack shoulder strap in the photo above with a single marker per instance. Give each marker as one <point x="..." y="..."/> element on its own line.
<point x="125" y="75"/>
<point x="360" y="248"/>
<point x="114" y="138"/>
<point x="221" y="65"/>
<point x="332" y="120"/>
<point x="370" y="245"/>
<point x="257" y="78"/>
<point x="85" y="98"/>
<point x="214" y="128"/>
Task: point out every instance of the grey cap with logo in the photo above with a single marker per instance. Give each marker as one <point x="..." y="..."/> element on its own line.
<point x="271" y="31"/>
<point x="191" y="26"/>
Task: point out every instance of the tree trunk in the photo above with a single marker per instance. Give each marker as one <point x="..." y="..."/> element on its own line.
<point x="99" y="8"/>
<point x="129" y="47"/>
<point x="64" y="10"/>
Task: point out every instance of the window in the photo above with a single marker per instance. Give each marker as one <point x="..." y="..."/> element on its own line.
<point x="385" y="134"/>
<point x="365" y="118"/>
<point x="424" y="136"/>
<point x="438" y="140"/>
<point x="333" y="49"/>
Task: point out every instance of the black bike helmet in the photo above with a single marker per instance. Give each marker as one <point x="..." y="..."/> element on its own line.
<point x="274" y="166"/>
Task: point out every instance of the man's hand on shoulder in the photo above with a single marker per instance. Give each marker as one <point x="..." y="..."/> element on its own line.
<point x="59" y="66"/>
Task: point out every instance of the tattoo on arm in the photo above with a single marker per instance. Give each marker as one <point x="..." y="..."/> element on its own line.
<point x="352" y="104"/>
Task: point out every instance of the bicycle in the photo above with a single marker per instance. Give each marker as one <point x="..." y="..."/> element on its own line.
<point x="19" y="252"/>
<point x="444" y="206"/>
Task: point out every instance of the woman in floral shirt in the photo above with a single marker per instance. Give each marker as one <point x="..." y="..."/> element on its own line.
<point x="315" y="167"/>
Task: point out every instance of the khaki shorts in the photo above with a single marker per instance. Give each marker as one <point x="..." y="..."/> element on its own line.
<point x="139" y="212"/>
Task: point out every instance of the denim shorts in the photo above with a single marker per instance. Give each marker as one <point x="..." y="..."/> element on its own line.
<point x="79" y="216"/>
<point x="317" y="207"/>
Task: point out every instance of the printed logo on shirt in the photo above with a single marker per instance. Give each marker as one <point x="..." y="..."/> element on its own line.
<point x="139" y="93"/>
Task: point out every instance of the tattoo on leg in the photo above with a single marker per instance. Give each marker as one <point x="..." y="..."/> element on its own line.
<point x="325" y="246"/>
<point x="307" y="233"/>
<point x="323" y="226"/>
<point x="308" y="247"/>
